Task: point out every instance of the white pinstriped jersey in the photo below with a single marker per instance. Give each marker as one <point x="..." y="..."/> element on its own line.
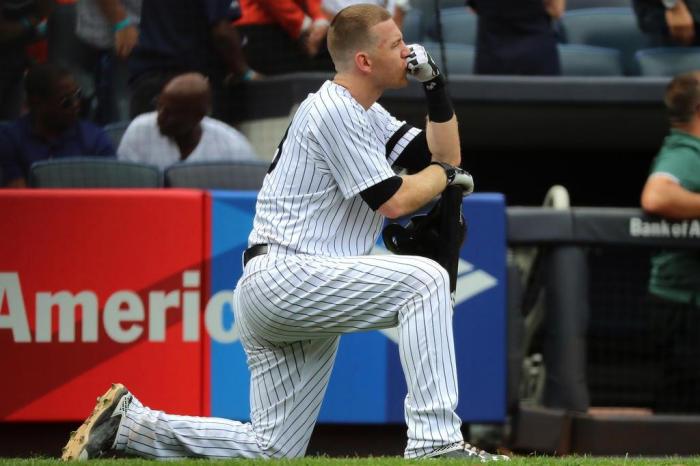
<point x="333" y="150"/>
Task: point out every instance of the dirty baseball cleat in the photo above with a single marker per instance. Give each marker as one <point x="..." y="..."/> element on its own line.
<point x="470" y="452"/>
<point x="97" y="434"/>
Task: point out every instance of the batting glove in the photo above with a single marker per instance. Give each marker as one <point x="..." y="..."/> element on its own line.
<point x="421" y="65"/>
<point x="457" y="176"/>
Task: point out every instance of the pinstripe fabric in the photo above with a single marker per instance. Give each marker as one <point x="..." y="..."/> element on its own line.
<point x="334" y="150"/>
<point x="283" y="298"/>
<point x="316" y="283"/>
<point x="286" y="395"/>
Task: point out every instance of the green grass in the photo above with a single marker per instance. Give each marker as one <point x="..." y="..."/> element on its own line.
<point x="385" y="461"/>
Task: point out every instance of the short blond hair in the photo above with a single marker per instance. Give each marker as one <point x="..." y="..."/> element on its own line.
<point x="349" y="31"/>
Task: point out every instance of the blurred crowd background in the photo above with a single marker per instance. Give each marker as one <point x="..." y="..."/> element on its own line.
<point x="121" y="53"/>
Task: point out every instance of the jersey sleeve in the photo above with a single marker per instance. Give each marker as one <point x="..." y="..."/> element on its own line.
<point x="348" y="142"/>
<point x="681" y="165"/>
<point x="396" y="134"/>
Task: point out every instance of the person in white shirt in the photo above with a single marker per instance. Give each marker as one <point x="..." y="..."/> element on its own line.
<point x="179" y="129"/>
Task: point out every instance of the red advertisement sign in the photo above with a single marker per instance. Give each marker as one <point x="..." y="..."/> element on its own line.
<point x="102" y="286"/>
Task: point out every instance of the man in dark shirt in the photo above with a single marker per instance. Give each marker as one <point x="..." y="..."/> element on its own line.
<point x="51" y="129"/>
<point x="515" y="37"/>
<point x="180" y="36"/>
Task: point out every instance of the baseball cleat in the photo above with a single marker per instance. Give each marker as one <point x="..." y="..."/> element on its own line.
<point x="472" y="453"/>
<point x="97" y="434"/>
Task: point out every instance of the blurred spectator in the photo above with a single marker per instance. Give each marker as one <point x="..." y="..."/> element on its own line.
<point x="181" y="131"/>
<point x="397" y="8"/>
<point x="62" y="41"/>
<point x="516" y="37"/>
<point x="51" y="129"/>
<point x="284" y="36"/>
<point x="108" y="31"/>
<point x="669" y="22"/>
<point x="21" y="23"/>
<point x="178" y="36"/>
<point x="673" y="191"/>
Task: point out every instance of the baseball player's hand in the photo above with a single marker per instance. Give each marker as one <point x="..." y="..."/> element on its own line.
<point x="420" y="64"/>
<point x="457" y="176"/>
<point x="464" y="179"/>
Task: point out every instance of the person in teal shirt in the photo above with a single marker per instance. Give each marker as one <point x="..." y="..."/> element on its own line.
<point x="672" y="191"/>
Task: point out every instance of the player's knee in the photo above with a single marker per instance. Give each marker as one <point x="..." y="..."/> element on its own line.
<point x="282" y="452"/>
<point x="432" y="277"/>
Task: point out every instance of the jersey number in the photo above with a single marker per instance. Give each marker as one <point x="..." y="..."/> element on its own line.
<point x="278" y="152"/>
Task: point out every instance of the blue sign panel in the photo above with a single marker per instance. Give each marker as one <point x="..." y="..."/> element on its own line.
<point x="367" y="385"/>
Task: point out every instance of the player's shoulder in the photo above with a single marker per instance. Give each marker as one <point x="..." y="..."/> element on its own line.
<point x="379" y="113"/>
<point x="332" y="99"/>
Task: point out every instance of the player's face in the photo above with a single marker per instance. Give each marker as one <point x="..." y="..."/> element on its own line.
<point x="389" y="56"/>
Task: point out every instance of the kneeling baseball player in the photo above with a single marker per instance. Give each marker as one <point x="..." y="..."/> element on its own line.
<point x="308" y="277"/>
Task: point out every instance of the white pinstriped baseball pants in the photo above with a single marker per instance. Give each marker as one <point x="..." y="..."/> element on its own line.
<point x="291" y="312"/>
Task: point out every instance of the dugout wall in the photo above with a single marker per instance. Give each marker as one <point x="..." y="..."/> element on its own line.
<point x="599" y="367"/>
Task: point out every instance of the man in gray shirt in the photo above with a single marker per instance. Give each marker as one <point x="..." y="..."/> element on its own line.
<point x="108" y="29"/>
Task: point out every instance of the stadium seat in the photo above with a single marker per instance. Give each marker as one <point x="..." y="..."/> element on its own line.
<point x="116" y="130"/>
<point x="460" y="58"/>
<point x="413" y="27"/>
<point x="458" y="26"/>
<point x="93" y="172"/>
<point x="587" y="60"/>
<point x="606" y="27"/>
<point x="668" y="61"/>
<point x="217" y="175"/>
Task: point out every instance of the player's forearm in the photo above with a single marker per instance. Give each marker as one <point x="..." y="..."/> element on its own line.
<point x="668" y="199"/>
<point x="415" y="192"/>
<point x="443" y="141"/>
<point x="442" y="133"/>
